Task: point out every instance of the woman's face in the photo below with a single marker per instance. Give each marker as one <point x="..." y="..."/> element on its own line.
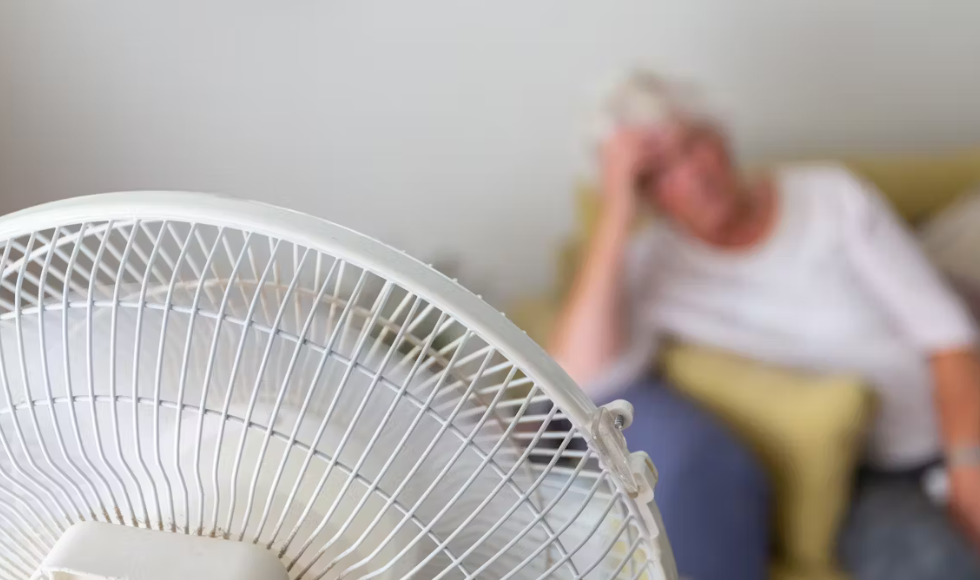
<point x="691" y="178"/>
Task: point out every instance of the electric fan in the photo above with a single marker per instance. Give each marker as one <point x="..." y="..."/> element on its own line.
<point x="198" y="387"/>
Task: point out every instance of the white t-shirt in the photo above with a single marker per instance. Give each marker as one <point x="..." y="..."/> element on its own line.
<point x="839" y="285"/>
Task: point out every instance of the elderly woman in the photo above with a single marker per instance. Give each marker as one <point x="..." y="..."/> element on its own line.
<point x="806" y="267"/>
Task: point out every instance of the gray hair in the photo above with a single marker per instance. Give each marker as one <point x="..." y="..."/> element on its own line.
<point x="644" y="99"/>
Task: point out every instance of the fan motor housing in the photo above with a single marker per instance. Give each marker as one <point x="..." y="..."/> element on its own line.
<point x="102" y="551"/>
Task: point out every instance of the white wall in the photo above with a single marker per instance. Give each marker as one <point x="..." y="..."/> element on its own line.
<point x="448" y="127"/>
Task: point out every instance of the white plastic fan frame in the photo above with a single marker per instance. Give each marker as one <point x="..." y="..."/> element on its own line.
<point x="634" y="475"/>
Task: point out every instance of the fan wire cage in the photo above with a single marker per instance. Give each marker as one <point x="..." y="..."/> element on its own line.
<point x="221" y="368"/>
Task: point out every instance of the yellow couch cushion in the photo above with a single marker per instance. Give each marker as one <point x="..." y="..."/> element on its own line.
<point x="806" y="429"/>
<point x="918" y="186"/>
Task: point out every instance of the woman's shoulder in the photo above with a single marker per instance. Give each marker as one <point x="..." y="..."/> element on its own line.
<point x="817" y="176"/>
<point x="829" y="185"/>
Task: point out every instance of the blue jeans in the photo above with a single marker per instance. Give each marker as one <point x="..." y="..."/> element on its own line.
<point x="713" y="494"/>
<point x="715" y="502"/>
<point x="894" y="532"/>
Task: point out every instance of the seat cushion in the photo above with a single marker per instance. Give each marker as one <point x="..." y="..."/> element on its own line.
<point x="807" y="430"/>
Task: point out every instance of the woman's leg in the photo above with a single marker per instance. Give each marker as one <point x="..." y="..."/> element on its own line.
<point x="712" y="493"/>
<point x="894" y="532"/>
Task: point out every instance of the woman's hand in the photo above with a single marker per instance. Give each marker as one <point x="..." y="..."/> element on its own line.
<point x="956" y="373"/>
<point x="624" y="158"/>
<point x="964" y="500"/>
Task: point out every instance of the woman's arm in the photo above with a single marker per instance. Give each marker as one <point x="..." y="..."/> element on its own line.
<point x="957" y="377"/>
<point x="892" y="266"/>
<point x="590" y="333"/>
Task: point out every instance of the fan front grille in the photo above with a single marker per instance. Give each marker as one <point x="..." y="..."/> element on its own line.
<point x="208" y="380"/>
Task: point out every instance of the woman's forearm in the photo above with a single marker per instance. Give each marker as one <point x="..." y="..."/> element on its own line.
<point x="956" y="375"/>
<point x="589" y="334"/>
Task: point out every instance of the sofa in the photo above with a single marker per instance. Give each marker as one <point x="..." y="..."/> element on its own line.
<point x="917" y="185"/>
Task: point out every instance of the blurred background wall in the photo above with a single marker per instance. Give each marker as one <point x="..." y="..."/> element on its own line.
<point x="453" y="130"/>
